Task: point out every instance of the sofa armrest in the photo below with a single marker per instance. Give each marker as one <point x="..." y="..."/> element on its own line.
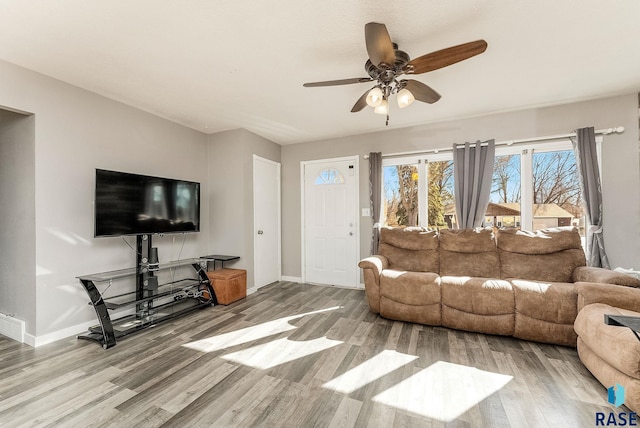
<point x="372" y="268"/>
<point x="618" y="296"/>
<point x="376" y="263"/>
<point x="603" y="276"/>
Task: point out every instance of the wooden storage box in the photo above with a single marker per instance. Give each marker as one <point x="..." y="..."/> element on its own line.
<point x="229" y="284"/>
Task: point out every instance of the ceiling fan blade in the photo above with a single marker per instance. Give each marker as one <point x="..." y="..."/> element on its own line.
<point x="361" y="103"/>
<point x="379" y="45"/>
<point x="420" y="91"/>
<point x="338" y="82"/>
<point x="445" y="57"/>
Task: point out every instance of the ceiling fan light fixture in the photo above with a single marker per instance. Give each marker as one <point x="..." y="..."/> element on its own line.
<point x="383" y="108"/>
<point x="405" y="98"/>
<point x="375" y="97"/>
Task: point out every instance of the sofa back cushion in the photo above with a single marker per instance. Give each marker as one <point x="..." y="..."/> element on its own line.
<point x="469" y="252"/>
<point x="545" y="255"/>
<point x="412" y="248"/>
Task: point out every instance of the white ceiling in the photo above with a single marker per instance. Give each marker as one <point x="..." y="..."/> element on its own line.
<point x="215" y="65"/>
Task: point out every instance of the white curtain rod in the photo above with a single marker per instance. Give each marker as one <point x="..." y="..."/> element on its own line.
<point x="616" y="130"/>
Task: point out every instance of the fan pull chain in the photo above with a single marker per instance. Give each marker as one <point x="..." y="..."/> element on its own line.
<point x="387" y="124"/>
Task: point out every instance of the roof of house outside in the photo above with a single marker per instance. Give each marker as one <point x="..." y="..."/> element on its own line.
<point x="550" y="210"/>
<point x="513" y="209"/>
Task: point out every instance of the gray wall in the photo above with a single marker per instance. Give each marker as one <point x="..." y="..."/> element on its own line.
<point x="620" y="165"/>
<point x="77" y="131"/>
<point x="17" y="214"/>
<point x="230" y="159"/>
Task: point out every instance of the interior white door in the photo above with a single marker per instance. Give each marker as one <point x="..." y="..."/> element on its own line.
<point x="266" y="221"/>
<point x="330" y="222"/>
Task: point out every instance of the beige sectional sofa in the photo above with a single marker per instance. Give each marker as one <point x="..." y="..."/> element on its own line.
<point x="512" y="283"/>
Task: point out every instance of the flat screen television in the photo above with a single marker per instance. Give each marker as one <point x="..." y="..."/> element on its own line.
<point x="133" y="204"/>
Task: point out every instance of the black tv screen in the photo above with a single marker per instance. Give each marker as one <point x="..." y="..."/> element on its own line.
<point x="133" y="204"/>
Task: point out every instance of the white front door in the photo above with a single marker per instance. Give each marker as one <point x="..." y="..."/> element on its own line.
<point x="266" y="221"/>
<point x="331" y="222"/>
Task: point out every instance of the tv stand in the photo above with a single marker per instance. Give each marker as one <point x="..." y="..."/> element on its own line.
<point x="151" y="302"/>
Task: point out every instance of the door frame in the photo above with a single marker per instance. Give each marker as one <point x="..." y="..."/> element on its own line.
<point x="257" y="158"/>
<point x="303" y="254"/>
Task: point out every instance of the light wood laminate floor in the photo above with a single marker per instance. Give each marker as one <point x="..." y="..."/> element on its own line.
<point x="297" y="355"/>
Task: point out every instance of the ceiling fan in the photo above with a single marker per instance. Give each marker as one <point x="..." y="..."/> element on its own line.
<point x="387" y="63"/>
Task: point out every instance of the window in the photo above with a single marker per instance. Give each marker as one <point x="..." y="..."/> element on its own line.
<point x="400" y="184"/>
<point x="329" y="176"/>
<point x="539" y="184"/>
<point x="557" y="197"/>
<point x="418" y="192"/>
<point x="440" y="202"/>
<point x="534" y="187"/>
<point x="504" y="207"/>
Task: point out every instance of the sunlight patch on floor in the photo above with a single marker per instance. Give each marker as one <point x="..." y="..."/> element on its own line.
<point x="443" y="391"/>
<point x="279" y="351"/>
<point x="372" y="369"/>
<point x="249" y="334"/>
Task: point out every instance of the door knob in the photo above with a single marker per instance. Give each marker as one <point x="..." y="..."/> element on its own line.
<point x="260" y="232"/>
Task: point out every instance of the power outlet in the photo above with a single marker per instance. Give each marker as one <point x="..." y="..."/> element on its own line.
<point x="366" y="212"/>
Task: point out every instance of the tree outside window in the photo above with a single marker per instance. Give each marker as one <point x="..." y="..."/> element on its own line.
<point x="440" y="201"/>
<point x="400" y="195"/>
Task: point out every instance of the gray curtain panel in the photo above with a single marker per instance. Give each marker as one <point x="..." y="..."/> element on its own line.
<point x="375" y="196"/>
<point x="584" y="147"/>
<point x="472" y="175"/>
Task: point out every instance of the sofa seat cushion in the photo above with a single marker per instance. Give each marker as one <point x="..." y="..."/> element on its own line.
<point x="545" y="311"/>
<point x="481" y="296"/>
<point x="469" y="252"/>
<point x="411" y="288"/>
<point x="478" y="304"/>
<point x="412" y="249"/>
<point x="544" y="255"/>
<point x="410" y="296"/>
<point x="617" y="346"/>
<point x="547" y="301"/>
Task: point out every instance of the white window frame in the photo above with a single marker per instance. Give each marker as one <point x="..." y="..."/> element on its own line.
<point x="526" y="170"/>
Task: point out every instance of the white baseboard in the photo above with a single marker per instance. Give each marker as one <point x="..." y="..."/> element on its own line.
<point x="45" y="339"/>
<point x="348" y="287"/>
<point x="291" y="279"/>
<point x="12" y="327"/>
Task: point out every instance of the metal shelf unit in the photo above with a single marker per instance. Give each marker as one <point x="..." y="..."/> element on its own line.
<point x="153" y="302"/>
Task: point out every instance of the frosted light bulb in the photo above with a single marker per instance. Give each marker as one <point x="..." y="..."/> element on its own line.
<point x="383" y="108"/>
<point x="405" y="98"/>
<point x="374" y="97"/>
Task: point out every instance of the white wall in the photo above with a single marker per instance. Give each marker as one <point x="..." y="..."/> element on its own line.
<point x="75" y="132"/>
<point x="230" y="159"/>
<point x="17" y="217"/>
<point x="620" y="165"/>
